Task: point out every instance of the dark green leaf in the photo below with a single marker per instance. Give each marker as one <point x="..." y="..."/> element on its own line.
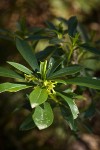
<point x="50" y="25"/>
<point x="22" y="25"/>
<point x="90" y="111"/>
<point x="85" y="81"/>
<point x="26" y="51"/>
<point x="20" y="67"/>
<point x="60" y="81"/>
<point x="9" y="73"/>
<point x="37" y="37"/>
<point x="72" y="25"/>
<point x="83" y="33"/>
<point x="66" y="71"/>
<point x="45" y="53"/>
<point x="71" y="122"/>
<point x="72" y="105"/>
<point x="12" y="87"/>
<point x="56" y="41"/>
<point x="43" y="117"/>
<point x="5" y="37"/>
<point x="65" y="21"/>
<point x="89" y="48"/>
<point x="55" y="65"/>
<point x="69" y="118"/>
<point x="97" y="58"/>
<point x="38" y="96"/>
<point x="35" y="30"/>
<point x="3" y="31"/>
<point x="84" y="125"/>
<point x="28" y="123"/>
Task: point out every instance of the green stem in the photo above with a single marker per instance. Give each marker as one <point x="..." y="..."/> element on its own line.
<point x="72" y="47"/>
<point x="56" y="100"/>
<point x="70" y="54"/>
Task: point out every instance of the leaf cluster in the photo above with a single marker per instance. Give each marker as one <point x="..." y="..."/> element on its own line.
<point x="53" y="72"/>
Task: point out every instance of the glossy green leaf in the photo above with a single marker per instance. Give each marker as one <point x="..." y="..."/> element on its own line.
<point x="28" y="123"/>
<point x="9" y="73"/>
<point x="55" y="65"/>
<point x="38" y="96"/>
<point x="43" y="117"/>
<point x="72" y="24"/>
<point x="89" y="48"/>
<point x="85" y="81"/>
<point x="71" y="122"/>
<point x="12" y="87"/>
<point x="72" y="105"/>
<point x="43" y="69"/>
<point x="20" y="67"/>
<point x="66" y="71"/>
<point x="60" y="81"/>
<point x="26" y="51"/>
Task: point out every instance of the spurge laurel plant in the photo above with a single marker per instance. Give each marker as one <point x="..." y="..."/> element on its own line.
<point x="52" y="74"/>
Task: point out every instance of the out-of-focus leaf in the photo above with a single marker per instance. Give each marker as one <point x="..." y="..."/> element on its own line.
<point x="20" y="67"/>
<point x="43" y="117"/>
<point x="83" y="32"/>
<point x="97" y="42"/>
<point x="4" y="31"/>
<point x="12" y="87"/>
<point x="50" y="25"/>
<point x="37" y="37"/>
<point x="9" y="73"/>
<point x="26" y="51"/>
<point x="90" y="111"/>
<point x="65" y="21"/>
<point x="5" y="37"/>
<point x="38" y="96"/>
<point x="22" y="25"/>
<point x="66" y="71"/>
<point x="45" y="53"/>
<point x="97" y="58"/>
<point x="89" y="48"/>
<point x="56" y="41"/>
<point x="85" y="81"/>
<point x="72" y="105"/>
<point x="82" y="125"/>
<point x="72" y="25"/>
<point x="28" y="123"/>
<point x="35" y="30"/>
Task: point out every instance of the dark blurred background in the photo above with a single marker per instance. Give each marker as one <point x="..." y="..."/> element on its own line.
<point x="58" y="136"/>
